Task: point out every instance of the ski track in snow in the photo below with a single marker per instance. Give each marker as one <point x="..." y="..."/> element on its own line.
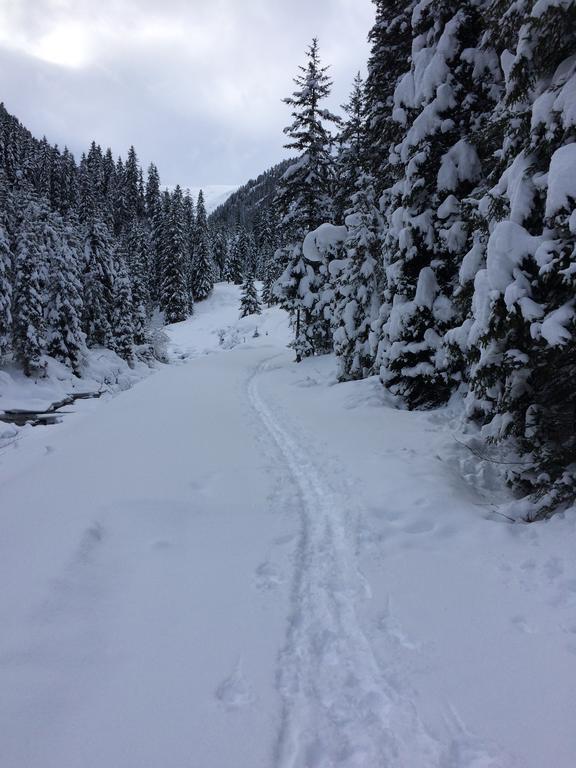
<point x="338" y="708"/>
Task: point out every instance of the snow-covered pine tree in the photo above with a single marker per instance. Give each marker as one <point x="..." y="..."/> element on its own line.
<point x="29" y="339"/>
<point x="132" y="190"/>
<point x="271" y="268"/>
<point x="68" y="183"/>
<point x="234" y="272"/>
<point x="351" y="160"/>
<point x="245" y="252"/>
<point x="304" y="198"/>
<point x="269" y="255"/>
<point x="443" y="100"/>
<point x="190" y="236"/>
<point x="175" y="295"/>
<point x="6" y="278"/>
<point x="358" y="288"/>
<point x="120" y="199"/>
<point x="65" y="339"/>
<point x="524" y="305"/>
<point x="154" y="218"/>
<point x="122" y="312"/>
<point x="202" y="265"/>
<point x="138" y="260"/>
<point x="109" y="188"/>
<point x="160" y="232"/>
<point x="203" y="268"/>
<point x="219" y="252"/>
<point x="87" y="208"/>
<point x="98" y="281"/>
<point x="390" y="49"/>
<point x="250" y="302"/>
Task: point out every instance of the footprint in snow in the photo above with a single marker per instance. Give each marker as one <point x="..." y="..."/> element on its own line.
<point x="235" y="692"/>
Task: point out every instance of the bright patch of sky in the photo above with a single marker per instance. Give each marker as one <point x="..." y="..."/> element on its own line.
<point x="196" y="86"/>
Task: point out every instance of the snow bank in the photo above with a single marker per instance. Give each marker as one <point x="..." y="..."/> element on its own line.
<point x="103" y="371"/>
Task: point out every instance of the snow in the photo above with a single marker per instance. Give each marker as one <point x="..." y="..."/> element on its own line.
<point x="516" y="184"/>
<point x="557" y="101"/>
<point x="327" y="239"/>
<point x="238" y="562"/>
<point x="554" y="328"/>
<point x="542" y="6"/>
<point x="507" y="60"/>
<point x="508" y="246"/>
<point x="562" y="181"/>
<point x="103" y="371"/>
<point x="426" y="289"/>
<point x="460" y="163"/>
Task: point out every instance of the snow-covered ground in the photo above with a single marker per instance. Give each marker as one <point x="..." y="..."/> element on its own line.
<point x="239" y="563"/>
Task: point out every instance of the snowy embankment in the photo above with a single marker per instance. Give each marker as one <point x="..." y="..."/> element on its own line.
<point x="238" y="563"/>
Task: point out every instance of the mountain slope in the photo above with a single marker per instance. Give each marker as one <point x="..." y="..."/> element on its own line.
<point x="253" y="198"/>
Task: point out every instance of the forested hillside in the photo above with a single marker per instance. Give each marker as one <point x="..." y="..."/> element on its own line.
<point x="249" y="205"/>
<point x="453" y="174"/>
<point x="88" y="249"/>
<point x="245" y="230"/>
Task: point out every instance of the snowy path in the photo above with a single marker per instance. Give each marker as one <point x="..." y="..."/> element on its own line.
<point x="338" y="708"/>
<point x="236" y="564"/>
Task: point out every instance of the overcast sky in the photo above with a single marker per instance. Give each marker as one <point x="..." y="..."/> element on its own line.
<point x="195" y="85"/>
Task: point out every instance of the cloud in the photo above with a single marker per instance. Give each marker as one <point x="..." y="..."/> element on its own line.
<point x="194" y="85"/>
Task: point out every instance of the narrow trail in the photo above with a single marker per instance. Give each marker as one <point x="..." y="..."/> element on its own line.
<point x="338" y="708"/>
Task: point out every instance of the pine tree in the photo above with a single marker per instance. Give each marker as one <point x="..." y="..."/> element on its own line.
<point x="351" y="160"/>
<point x="122" y="315"/>
<point x="154" y="217"/>
<point x="250" y="303"/>
<point x="270" y="279"/>
<point x="30" y="280"/>
<point x="219" y="253"/>
<point x="427" y="233"/>
<point x="175" y="298"/>
<point x="203" y="268"/>
<point x="109" y="188"/>
<point x="357" y="300"/>
<point x="121" y="212"/>
<point x="98" y="280"/>
<point x="202" y="265"/>
<point x="390" y="50"/>
<point x="138" y="260"/>
<point x="160" y="232"/>
<point x="235" y="263"/>
<point x="524" y="314"/>
<point x="244" y="252"/>
<point x="190" y="237"/>
<point x="65" y="339"/>
<point x="304" y="197"/>
<point x="6" y="278"/>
